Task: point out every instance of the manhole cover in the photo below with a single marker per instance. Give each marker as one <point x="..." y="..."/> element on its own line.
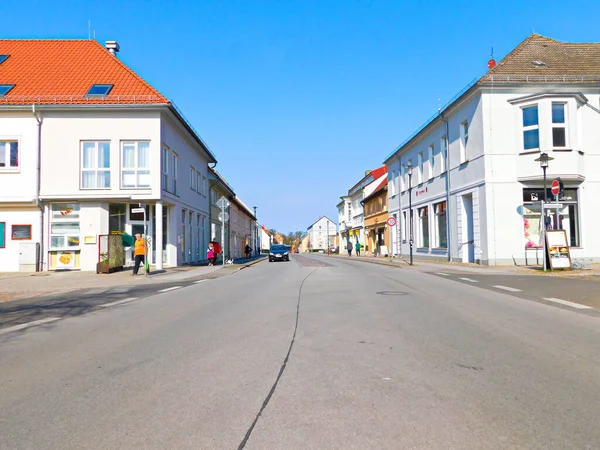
<point x="391" y="293"/>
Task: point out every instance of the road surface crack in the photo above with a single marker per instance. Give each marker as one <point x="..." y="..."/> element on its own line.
<point x="281" y="370"/>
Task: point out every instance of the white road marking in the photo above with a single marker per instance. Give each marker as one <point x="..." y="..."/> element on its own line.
<point x="199" y="281"/>
<point x="566" y="303"/>
<point x="470" y="280"/>
<point x="442" y="273"/>
<point x="28" y="324"/>
<point x="169" y="289"/>
<point x="508" y="288"/>
<point x="119" y="302"/>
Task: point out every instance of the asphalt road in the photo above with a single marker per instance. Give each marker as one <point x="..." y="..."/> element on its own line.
<point x="316" y="353"/>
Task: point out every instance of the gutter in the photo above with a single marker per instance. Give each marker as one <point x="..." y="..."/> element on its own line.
<point x="448" y="235"/>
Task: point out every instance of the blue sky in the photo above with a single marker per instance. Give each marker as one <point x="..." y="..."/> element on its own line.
<point x="298" y="98"/>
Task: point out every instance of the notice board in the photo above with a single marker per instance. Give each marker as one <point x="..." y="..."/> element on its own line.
<point x="557" y="249"/>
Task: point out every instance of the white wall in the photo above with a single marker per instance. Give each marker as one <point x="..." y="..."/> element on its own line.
<point x="9" y="255"/>
<point x="318" y="236"/>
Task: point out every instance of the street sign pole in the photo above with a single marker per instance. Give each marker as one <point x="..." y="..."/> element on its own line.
<point x="223" y="230"/>
<point x="544" y="233"/>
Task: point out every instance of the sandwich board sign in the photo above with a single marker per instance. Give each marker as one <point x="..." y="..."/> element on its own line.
<point x="558" y="249"/>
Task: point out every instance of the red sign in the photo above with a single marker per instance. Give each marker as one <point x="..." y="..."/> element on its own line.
<point x="391" y="221"/>
<point x="555" y="187"/>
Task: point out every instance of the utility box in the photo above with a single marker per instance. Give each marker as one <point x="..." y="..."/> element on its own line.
<point x="28" y="256"/>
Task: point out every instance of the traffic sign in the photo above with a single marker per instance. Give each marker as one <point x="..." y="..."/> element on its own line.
<point x="223" y="217"/>
<point x="223" y="202"/>
<point x="391" y="221"/>
<point x="553" y="206"/>
<point x="557" y="186"/>
<point x="138" y="210"/>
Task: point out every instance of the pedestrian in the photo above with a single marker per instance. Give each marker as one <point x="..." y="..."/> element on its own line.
<point x="138" y="253"/>
<point x="248" y="250"/>
<point x="349" y="249"/>
<point x="357" y="248"/>
<point x="210" y="254"/>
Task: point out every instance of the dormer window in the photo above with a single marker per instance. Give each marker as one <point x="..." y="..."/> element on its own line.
<point x="5" y="88"/>
<point x="99" y="90"/>
<point x="3" y="58"/>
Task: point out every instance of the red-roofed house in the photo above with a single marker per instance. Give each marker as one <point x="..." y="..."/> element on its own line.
<point x="375" y="205"/>
<point x="83" y="141"/>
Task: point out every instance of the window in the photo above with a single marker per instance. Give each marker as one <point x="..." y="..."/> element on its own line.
<point x="3" y="58"/>
<point x="531" y="128"/>
<point x="431" y="161"/>
<point x="205" y="186"/>
<point x="393" y="183"/>
<point x="165" y="168"/>
<point x="99" y="90"/>
<point x="199" y="183"/>
<point x="566" y="218"/>
<point x="135" y="171"/>
<point x="64" y="225"/>
<point x="439" y="210"/>
<point x="443" y="153"/>
<point x="9" y="155"/>
<point x="464" y="140"/>
<point x="95" y="165"/>
<point x="193" y="179"/>
<point x="213" y="197"/>
<point x="559" y="130"/>
<point x="21" y="233"/>
<point x="404" y="226"/>
<point x="174" y="161"/>
<point x="420" y="168"/>
<point x="424" y="227"/>
<point x="402" y="174"/>
<point x="349" y="205"/>
<point x="5" y="88"/>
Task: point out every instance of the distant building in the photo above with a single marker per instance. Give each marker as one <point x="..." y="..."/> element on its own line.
<point x="320" y="234"/>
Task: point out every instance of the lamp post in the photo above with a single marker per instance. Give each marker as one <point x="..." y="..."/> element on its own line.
<point x="543" y="160"/>
<point x="409" y="170"/>
<point x="255" y="232"/>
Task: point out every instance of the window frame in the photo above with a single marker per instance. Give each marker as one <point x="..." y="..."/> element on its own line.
<point x="560" y="125"/>
<point x="193" y="179"/>
<point x="431" y="160"/>
<point x="420" y="168"/>
<point x="136" y="169"/>
<point x="443" y="154"/>
<point x="393" y="183"/>
<point x="437" y="228"/>
<point x="464" y="141"/>
<point x="424" y="220"/>
<point x="174" y="172"/>
<point x="528" y="128"/>
<point x="96" y="170"/>
<point x="7" y="155"/>
<point x="166" y="153"/>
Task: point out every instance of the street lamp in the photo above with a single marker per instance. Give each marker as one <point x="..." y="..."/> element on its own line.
<point x="409" y="170"/>
<point x="543" y="160"/>
<point x="255" y="233"/>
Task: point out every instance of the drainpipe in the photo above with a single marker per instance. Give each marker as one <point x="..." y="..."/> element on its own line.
<point x="448" y="209"/>
<point x="37" y="202"/>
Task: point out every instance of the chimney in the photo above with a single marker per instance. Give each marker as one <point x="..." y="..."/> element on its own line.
<point x="113" y="47"/>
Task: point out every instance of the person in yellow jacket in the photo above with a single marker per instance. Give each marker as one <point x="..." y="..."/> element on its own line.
<point x="138" y="252"/>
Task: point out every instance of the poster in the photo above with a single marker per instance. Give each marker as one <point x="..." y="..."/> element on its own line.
<point x="21" y="232"/>
<point x="65" y="260"/>
<point x="2" y="234"/>
<point x="558" y="249"/>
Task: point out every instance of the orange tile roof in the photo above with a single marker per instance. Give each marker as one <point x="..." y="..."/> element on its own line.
<point x="62" y="71"/>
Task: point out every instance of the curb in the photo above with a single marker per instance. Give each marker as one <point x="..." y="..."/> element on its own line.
<point x="369" y="261"/>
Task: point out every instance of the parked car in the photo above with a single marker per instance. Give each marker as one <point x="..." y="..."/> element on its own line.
<point x="279" y="252"/>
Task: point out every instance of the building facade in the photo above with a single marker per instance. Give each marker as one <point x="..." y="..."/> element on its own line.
<point x="471" y="177"/>
<point x="320" y="234"/>
<point x="377" y="236"/>
<point x="242" y="223"/>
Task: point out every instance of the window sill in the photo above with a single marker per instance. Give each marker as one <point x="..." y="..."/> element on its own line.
<point x="9" y="170"/>
<point x="94" y="189"/>
<point x="65" y="249"/>
<point x="464" y="163"/>
<point x="139" y="188"/>
<point x="529" y="152"/>
<point x="440" y="249"/>
<point x="562" y="149"/>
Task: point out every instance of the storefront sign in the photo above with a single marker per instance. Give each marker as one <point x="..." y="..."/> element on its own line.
<point x="65" y="260"/>
<point x="89" y="239"/>
<point x="420" y="192"/>
<point x="558" y="249"/>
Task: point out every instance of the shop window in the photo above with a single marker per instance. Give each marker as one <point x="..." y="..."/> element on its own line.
<point x="565" y="218"/>
<point x="116" y="217"/>
<point x="440" y="225"/>
<point x="64" y="226"/>
<point x="424" y="227"/>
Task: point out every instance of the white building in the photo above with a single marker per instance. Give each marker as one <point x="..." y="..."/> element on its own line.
<point x="351" y="212"/>
<point x="265" y="239"/>
<point x="79" y="152"/>
<point x="320" y="234"/>
<point x="475" y="178"/>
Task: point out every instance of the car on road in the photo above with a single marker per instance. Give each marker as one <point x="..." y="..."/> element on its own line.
<point x="279" y="252"/>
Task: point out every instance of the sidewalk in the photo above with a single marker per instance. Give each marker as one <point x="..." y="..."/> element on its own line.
<point x="18" y="285"/>
<point x="592" y="272"/>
